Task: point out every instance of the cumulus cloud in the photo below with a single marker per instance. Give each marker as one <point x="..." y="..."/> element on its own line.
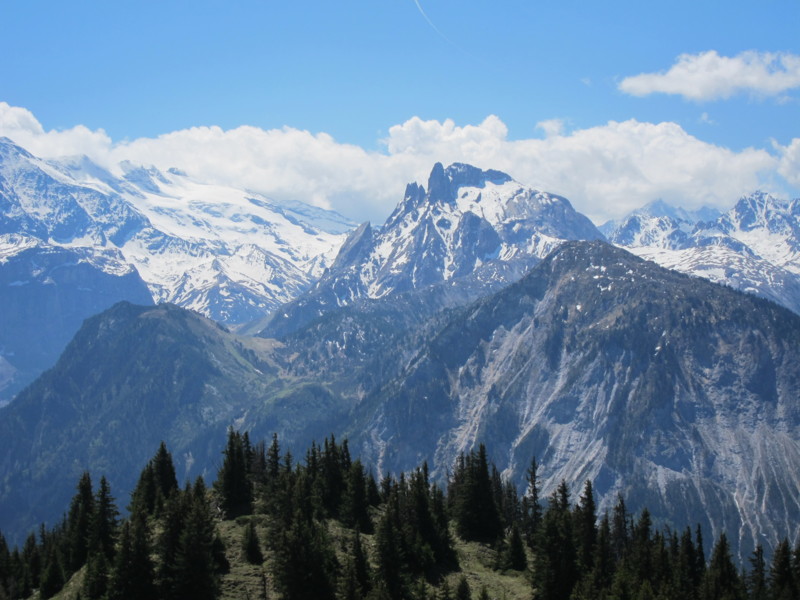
<point x="709" y="76"/>
<point x="605" y="171"/>
<point x="20" y="125"/>
<point x="790" y="162"/>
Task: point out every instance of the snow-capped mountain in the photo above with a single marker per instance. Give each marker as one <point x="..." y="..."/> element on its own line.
<point x="227" y="253"/>
<point x="75" y="239"/>
<point x="754" y="247"/>
<point x="469" y="225"/>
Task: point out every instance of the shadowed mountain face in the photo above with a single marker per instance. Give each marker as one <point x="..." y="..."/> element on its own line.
<point x="677" y="393"/>
<point x="45" y="293"/>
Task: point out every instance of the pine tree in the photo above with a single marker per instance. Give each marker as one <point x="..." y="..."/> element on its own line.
<point x="721" y="580"/>
<point x="475" y="510"/>
<point x="463" y="592"/>
<point x="355" y="504"/>
<point x="585" y="526"/>
<point x="104" y="523"/>
<point x="196" y="568"/>
<point x="52" y="579"/>
<point x="251" y="548"/>
<point x="757" y="579"/>
<point x="172" y="522"/>
<point x="390" y="553"/>
<point x="164" y="474"/>
<point x="781" y="579"/>
<point x="444" y="591"/>
<point x="95" y="583"/>
<point x="555" y="571"/>
<point x="132" y="576"/>
<point x="305" y="563"/>
<point x="514" y="557"/>
<point x="233" y="482"/>
<point x="80" y="515"/>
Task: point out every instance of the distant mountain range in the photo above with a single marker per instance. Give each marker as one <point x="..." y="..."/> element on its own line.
<point x="675" y="392"/>
<point x="481" y="311"/>
<point x="753" y="247"/>
<point x="229" y="254"/>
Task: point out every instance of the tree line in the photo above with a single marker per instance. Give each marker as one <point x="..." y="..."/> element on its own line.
<point x="168" y="547"/>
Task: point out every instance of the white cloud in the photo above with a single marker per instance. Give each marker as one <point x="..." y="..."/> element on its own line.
<point x="551" y="127"/>
<point x="20" y="125"/>
<point x="709" y="76"/>
<point x="790" y="162"/>
<point x="605" y="171"/>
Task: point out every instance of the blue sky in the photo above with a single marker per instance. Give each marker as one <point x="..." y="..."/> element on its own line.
<point x="372" y="92"/>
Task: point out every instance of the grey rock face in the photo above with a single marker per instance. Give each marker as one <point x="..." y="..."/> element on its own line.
<point x="469" y="225"/>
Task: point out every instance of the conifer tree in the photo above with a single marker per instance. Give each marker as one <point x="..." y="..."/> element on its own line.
<point x="360" y="563"/>
<point x="95" y="582"/>
<point x="781" y="579"/>
<point x="164" y="473"/>
<point x="196" y="568"/>
<point x="514" y="557"/>
<point x="305" y="563"/>
<point x="132" y="576"/>
<point x="585" y="526"/>
<point x="52" y="579"/>
<point x="233" y="482"/>
<point x="251" y="547"/>
<point x="475" y="510"/>
<point x="445" y="593"/>
<point x="555" y="571"/>
<point x="721" y="580"/>
<point x="172" y="525"/>
<point x="463" y="591"/>
<point x="355" y="504"/>
<point x="757" y="578"/>
<point x="104" y="523"/>
<point x="390" y="553"/>
<point x="80" y="515"/>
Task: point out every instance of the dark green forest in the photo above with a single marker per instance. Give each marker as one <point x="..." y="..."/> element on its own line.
<point x="324" y="527"/>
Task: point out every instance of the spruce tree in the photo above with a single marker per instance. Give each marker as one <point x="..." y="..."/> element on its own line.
<point x="164" y="474"/>
<point x="305" y="563"/>
<point x="196" y="568"/>
<point x="95" y="582"/>
<point x="80" y="515"/>
<point x="132" y="576"/>
<point x="104" y="523"/>
<point x="475" y="510"/>
<point x="355" y="504"/>
<point x="52" y="579"/>
<point x="757" y="578"/>
<point x="251" y="547"/>
<point x="463" y="591"/>
<point x="781" y="579"/>
<point x="514" y="557"/>
<point x="233" y="481"/>
<point x="585" y="525"/>
<point x="721" y="580"/>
